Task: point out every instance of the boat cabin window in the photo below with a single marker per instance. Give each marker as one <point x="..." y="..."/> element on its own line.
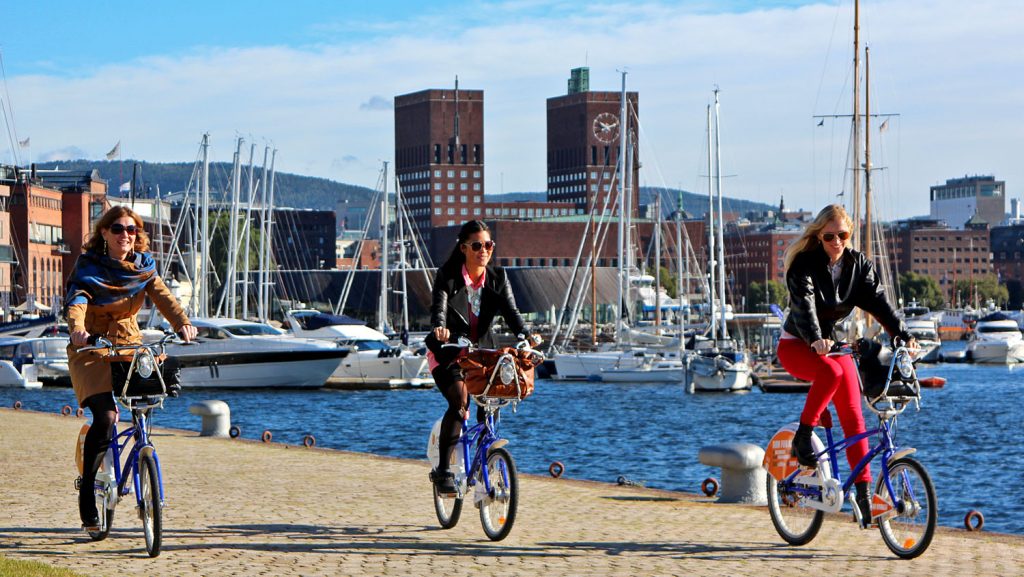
<point x="252" y="330"/>
<point x="7" y="351"/>
<point x="50" y="348"/>
<point x="998" y="329"/>
<point x="369" y="345"/>
<point x="212" y="333"/>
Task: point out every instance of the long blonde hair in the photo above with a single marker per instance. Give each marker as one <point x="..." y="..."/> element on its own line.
<point x="809" y="240"/>
<point x="95" y="242"/>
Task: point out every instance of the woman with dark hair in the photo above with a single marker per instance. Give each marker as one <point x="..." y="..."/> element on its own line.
<point x="106" y="289"/>
<point x="468" y="293"/>
<point x="826" y="280"/>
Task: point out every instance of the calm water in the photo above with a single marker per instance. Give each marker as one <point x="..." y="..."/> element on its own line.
<point x="965" y="433"/>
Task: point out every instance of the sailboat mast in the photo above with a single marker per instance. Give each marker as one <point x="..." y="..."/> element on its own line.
<point x="261" y="274"/>
<point x="204" y="259"/>
<point x="623" y="249"/>
<point x="868" y="231"/>
<point x="236" y="186"/>
<point x="246" y="237"/>
<point x="382" y="311"/>
<point x="657" y="262"/>
<point x="400" y="217"/>
<point x="269" y="255"/>
<point x="721" y="219"/>
<point x="856" y="126"/>
<point x="711" y="235"/>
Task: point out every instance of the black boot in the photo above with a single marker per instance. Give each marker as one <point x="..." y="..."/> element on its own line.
<point x="802" y="449"/>
<point x="444" y="480"/>
<point x="87" y="505"/>
<point x="863" y="502"/>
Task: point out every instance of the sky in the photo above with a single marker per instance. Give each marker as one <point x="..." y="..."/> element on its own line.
<point x="316" y="80"/>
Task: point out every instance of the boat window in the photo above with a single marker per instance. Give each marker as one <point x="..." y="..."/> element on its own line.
<point x="998" y="329"/>
<point x="7" y="351"/>
<point x="369" y="345"/>
<point x="212" y="333"/>
<point x="49" y="349"/>
<point x="252" y="330"/>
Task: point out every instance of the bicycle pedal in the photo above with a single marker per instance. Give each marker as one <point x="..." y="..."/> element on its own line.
<point x="78" y="483"/>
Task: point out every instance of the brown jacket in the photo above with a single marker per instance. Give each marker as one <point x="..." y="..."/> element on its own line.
<point x="116" y="321"/>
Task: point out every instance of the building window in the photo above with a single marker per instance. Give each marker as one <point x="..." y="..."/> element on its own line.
<point x="437" y="158"/>
<point x="437" y="197"/>
<point x="463" y="211"/>
<point x="476" y="174"/>
<point x="451" y="198"/>
<point x="476" y="186"/>
<point x="437" y="212"/>
<point x="451" y="223"/>
<point x="451" y="186"/>
<point x="476" y="212"/>
<point x="463" y="186"/>
<point x="463" y="174"/>
<point x="437" y="186"/>
<point x="476" y="154"/>
<point x="451" y="211"/>
<point x="476" y="199"/>
<point x="451" y="174"/>
<point x="462" y="154"/>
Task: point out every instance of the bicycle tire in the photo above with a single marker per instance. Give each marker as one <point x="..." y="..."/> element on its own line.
<point x="908" y="534"/>
<point x="796" y="524"/>
<point x="448" y="509"/>
<point x="106" y="516"/>
<point x="498" y="509"/>
<point x="150" y="508"/>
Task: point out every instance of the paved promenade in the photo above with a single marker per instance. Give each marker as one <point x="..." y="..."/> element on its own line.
<point x="244" y="508"/>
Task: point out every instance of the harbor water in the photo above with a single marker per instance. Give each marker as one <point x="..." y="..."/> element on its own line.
<point x="965" y="433"/>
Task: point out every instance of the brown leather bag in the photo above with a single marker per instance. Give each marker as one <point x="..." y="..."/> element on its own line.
<point x="482" y="370"/>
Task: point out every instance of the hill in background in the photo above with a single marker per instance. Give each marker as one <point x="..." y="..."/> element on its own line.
<point x="296" y="191"/>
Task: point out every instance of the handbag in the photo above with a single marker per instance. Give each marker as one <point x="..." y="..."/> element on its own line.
<point x="504" y="373"/>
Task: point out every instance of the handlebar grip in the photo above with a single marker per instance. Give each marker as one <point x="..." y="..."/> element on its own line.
<point x="91" y="341"/>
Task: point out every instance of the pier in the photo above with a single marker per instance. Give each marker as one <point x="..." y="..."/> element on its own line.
<point x="246" y="508"/>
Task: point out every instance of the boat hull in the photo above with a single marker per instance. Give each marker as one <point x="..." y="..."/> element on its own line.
<point x="369" y="368"/>
<point x="263" y="369"/>
<point x="710" y="374"/>
<point x="996" y="352"/>
<point x="645" y="375"/>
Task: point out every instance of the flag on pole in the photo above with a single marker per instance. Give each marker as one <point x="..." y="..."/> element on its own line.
<point x="884" y="126"/>
<point x="24" y="143"/>
<point x="114" y="152"/>
<point x="126" y="187"/>
<point x="821" y="122"/>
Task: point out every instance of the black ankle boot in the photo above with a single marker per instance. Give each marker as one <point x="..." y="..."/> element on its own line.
<point x="87" y="505"/>
<point x="444" y="480"/>
<point x="802" y="449"/>
<point x="863" y="502"/>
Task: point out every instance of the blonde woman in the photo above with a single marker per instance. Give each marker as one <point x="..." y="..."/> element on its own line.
<point x="826" y="280"/>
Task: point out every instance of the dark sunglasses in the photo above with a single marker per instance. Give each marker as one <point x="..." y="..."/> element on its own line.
<point x="118" y="228"/>
<point x="831" y="236"/>
<point x="476" y="246"/>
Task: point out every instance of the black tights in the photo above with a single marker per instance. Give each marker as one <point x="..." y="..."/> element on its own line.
<point x="97" y="440"/>
<point x="449" y="382"/>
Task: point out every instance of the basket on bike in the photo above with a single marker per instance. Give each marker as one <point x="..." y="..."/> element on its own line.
<point x="139" y="386"/>
<point x="874" y="373"/>
<point x="505" y="372"/>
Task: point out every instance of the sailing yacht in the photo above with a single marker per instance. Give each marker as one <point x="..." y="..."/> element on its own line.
<point x="996" y="339"/>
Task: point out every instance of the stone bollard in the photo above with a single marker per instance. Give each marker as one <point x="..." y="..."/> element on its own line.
<point x="743" y="477"/>
<point x="216" y="417"/>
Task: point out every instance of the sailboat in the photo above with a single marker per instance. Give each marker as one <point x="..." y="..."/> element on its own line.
<point x="716" y="364"/>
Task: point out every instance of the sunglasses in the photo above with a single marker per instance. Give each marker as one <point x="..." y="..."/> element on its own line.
<point x="118" y="228"/>
<point x="831" y="236"/>
<point x="477" y="245"/>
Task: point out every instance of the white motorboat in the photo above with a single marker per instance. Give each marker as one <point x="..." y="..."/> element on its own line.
<point x="583" y="366"/>
<point x="723" y="369"/>
<point x="664" y="371"/>
<point x="996" y="339"/>
<point x="14" y="374"/>
<point x="230" y="353"/>
<point x="371" y="360"/>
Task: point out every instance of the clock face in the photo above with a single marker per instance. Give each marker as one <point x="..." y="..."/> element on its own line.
<point x="606" y="127"/>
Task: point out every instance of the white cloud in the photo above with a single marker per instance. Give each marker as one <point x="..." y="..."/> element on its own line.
<point x="952" y="73"/>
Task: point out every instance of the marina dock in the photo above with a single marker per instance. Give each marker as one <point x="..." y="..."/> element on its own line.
<point x="246" y="508"/>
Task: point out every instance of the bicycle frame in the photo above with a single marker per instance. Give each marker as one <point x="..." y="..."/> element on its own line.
<point x="483" y="435"/>
<point x="139" y="432"/>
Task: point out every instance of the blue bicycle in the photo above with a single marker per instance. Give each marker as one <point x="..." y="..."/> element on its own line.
<point x="491" y="475"/>
<point x="142" y="381"/>
<point x="903" y="505"/>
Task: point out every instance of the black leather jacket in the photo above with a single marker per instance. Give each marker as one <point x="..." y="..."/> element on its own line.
<point x="450" y="306"/>
<point x="816" y="304"/>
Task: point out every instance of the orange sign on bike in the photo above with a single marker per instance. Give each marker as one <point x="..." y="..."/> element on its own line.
<point x="778" y="459"/>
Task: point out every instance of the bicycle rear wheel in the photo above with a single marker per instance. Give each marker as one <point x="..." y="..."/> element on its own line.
<point x="149" y="502"/>
<point x="909" y="532"/>
<point x="448" y="508"/>
<point x="498" y="509"/>
<point x="795" y="522"/>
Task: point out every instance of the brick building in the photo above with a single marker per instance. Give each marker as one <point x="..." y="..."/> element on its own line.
<point x="756" y="253"/>
<point x="1007" y="243"/>
<point x="946" y="254"/>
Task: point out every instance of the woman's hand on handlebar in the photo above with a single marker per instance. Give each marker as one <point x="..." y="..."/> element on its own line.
<point x="79" y="338"/>
<point x="188" y="333"/>
<point x="822" y="346"/>
<point x="442" y="334"/>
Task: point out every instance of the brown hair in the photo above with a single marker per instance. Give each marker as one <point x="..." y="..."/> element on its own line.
<point x="809" y="240"/>
<point x="95" y="241"/>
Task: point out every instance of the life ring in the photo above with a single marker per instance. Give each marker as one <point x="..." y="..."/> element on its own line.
<point x="80" y="412"/>
<point x="556" y="469"/>
<point x="709" y="487"/>
<point x="974" y="520"/>
<point x="234" y="432"/>
<point x="267" y="436"/>
<point x="17" y="405"/>
<point x="65" y="410"/>
<point x="309" y="441"/>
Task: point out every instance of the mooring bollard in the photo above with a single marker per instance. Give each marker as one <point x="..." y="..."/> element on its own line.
<point x="743" y="477"/>
<point x="216" y="417"/>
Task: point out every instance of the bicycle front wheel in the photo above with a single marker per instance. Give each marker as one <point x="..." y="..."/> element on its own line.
<point x="149" y="502"/>
<point x="795" y="522"/>
<point x="909" y="532"/>
<point x="498" y="508"/>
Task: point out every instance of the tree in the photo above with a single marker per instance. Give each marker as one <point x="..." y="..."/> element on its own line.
<point x="777" y="294"/>
<point x="986" y="288"/>
<point x="668" y="282"/>
<point x="921" y="288"/>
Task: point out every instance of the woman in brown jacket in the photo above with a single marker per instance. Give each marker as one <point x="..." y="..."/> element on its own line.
<point x="106" y="289"/>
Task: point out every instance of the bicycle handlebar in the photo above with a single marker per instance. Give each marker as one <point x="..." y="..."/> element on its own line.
<point x="524" y="344"/>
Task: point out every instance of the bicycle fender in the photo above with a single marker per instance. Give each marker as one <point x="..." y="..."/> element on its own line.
<point x="497" y="445"/>
<point x="900" y="454"/>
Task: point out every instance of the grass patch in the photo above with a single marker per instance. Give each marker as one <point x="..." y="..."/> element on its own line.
<point x="13" y="568"/>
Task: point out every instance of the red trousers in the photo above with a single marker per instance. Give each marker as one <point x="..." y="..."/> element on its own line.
<point x="832" y="379"/>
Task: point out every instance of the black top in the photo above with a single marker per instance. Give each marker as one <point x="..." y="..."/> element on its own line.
<point x="816" y="303"/>
<point x="450" y="306"/>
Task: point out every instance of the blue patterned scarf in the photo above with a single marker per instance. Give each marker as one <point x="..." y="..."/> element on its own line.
<point x="100" y="280"/>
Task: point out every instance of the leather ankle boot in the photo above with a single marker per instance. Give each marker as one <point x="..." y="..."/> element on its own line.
<point x="863" y="502"/>
<point x="87" y="505"/>
<point x="802" y="449"/>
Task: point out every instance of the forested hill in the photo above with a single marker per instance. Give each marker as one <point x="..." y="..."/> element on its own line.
<point x="291" y="190"/>
<point x="296" y="191"/>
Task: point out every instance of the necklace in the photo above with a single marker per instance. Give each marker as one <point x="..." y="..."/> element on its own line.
<point x="474" y="300"/>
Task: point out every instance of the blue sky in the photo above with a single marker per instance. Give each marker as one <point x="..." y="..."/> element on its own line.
<point x="314" y="79"/>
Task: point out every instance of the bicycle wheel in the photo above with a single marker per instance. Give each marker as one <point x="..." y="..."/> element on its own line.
<point x="909" y="532"/>
<point x="106" y="516"/>
<point x="448" y="509"/>
<point x="149" y="499"/>
<point x="498" y="509"/>
<point x="795" y="522"/>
